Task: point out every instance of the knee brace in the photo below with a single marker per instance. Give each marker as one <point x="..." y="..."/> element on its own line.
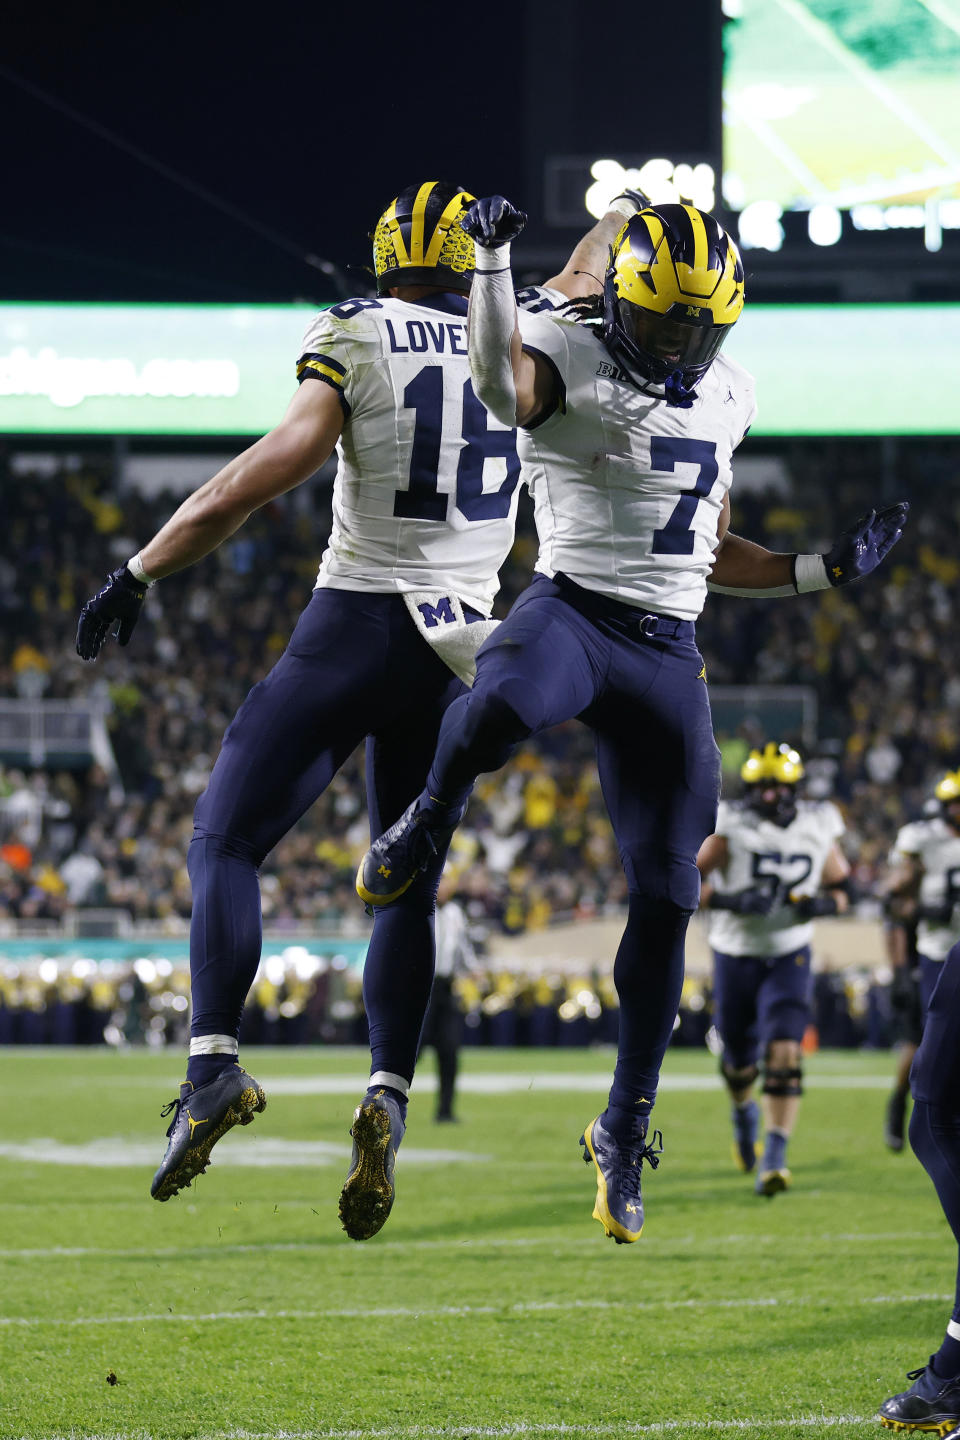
<point x="783" y="1081"/>
<point x="738" y="1077"/>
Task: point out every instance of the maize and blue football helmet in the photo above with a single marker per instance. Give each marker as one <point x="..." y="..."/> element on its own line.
<point x="771" y="776"/>
<point x="672" y="292"/>
<point x="419" y="239"/>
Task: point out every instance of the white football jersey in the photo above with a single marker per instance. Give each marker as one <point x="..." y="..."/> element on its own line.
<point x="627" y="489"/>
<point x="425" y="495"/>
<point x="760" y="853"/>
<point x="937" y="847"/>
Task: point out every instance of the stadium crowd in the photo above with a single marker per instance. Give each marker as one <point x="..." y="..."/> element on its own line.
<point x="883" y="659"/>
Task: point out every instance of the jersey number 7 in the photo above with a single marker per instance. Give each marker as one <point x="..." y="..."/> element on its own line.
<point x="666" y="451"/>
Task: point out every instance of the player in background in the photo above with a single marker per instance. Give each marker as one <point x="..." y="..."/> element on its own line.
<point x="628" y="427"/>
<point x="443" y="1023"/>
<point x="900" y="942"/>
<point x="926" y="868"/>
<point x="932" y="1403"/>
<point x="424" y="506"/>
<point x="772" y="864"/>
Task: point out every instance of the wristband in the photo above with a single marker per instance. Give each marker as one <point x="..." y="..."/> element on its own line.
<point x="809" y="573"/>
<point x="493" y="257"/>
<point x="624" y="206"/>
<point x="135" y="566"/>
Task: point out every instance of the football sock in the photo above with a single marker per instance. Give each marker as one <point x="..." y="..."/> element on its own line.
<point x="397" y="1095"/>
<point x="648" y="975"/>
<point x="946" y="1362"/>
<point x="203" y="1068"/>
<point x="438" y="815"/>
<point x="745" y="1115"/>
<point x="626" y="1126"/>
<point x="774" y="1150"/>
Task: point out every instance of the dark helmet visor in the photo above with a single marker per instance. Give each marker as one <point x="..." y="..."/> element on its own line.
<point x="668" y="344"/>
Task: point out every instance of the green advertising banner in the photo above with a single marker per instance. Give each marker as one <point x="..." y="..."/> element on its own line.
<point x="229" y="369"/>
<point x="147" y="369"/>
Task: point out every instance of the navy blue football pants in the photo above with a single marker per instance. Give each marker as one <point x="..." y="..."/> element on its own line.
<point x="355" y="667"/>
<point x="935" y="1082"/>
<point x="563" y="652"/>
<point x="760" y="999"/>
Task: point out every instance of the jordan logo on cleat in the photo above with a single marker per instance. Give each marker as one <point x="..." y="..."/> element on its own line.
<point x="194" y="1123"/>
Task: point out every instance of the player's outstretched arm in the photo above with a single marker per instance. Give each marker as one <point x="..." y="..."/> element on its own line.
<point x="281" y="460"/>
<point x="506" y="378"/>
<point x="582" y="276"/>
<point x="744" y="568"/>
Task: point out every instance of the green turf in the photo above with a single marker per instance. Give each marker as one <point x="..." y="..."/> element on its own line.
<point x="491" y="1304"/>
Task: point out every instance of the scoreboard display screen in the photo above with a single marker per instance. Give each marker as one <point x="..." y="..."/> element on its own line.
<point x="836" y="106"/>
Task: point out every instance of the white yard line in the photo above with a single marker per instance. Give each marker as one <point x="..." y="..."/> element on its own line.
<point x="447" y="1312"/>
<point x="505" y="1432"/>
<point x="711" y="1243"/>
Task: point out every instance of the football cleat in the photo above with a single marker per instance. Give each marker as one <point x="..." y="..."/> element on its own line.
<point x="772" y="1182"/>
<point x="745" y="1122"/>
<point x="368" y="1191"/>
<point x="930" y="1404"/>
<point x="201" y="1116"/>
<point x="619" y="1206"/>
<point x="395" y="860"/>
<point x="894" y="1121"/>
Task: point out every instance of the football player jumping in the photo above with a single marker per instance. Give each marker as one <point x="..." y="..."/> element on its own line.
<point x="628" y="425"/>
<point x="932" y="1402"/>
<point x="772" y="864"/>
<point x="424" y="506"/>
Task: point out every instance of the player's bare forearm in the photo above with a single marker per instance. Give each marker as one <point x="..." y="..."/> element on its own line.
<point x="583" y="273"/>
<point x="743" y="565"/>
<point x="278" y="462"/>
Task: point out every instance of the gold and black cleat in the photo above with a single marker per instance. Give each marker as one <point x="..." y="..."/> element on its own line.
<point x="201" y="1116"/>
<point x="619" y="1206"/>
<point x="368" y="1191"/>
<point x="773" y="1182"/>
<point x="931" y="1404"/>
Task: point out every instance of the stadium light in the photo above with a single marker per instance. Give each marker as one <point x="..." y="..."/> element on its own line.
<point x="665" y="181"/>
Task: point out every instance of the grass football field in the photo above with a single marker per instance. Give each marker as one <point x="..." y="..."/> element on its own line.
<point x="491" y="1304"/>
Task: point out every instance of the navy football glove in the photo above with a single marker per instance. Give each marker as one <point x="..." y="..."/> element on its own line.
<point x="493" y="221"/>
<point x="758" y="900"/>
<point x="119" y="602"/>
<point x="861" y="548"/>
<point x="807" y="907"/>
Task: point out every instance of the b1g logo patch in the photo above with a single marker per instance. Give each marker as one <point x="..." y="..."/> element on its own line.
<point x="606" y="371"/>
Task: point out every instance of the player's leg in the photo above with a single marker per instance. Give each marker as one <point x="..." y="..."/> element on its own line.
<point x="541" y="666"/>
<point x="895" y="1115"/>
<point x="293" y="731"/>
<point x="398" y="970"/>
<point x="934" y="1397"/>
<point x="736" y="982"/>
<point x="784" y="1014"/>
<point x="660" y="775"/>
<point x="441" y="1032"/>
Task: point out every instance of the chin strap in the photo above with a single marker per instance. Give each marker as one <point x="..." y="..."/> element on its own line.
<point x="676" y="393"/>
